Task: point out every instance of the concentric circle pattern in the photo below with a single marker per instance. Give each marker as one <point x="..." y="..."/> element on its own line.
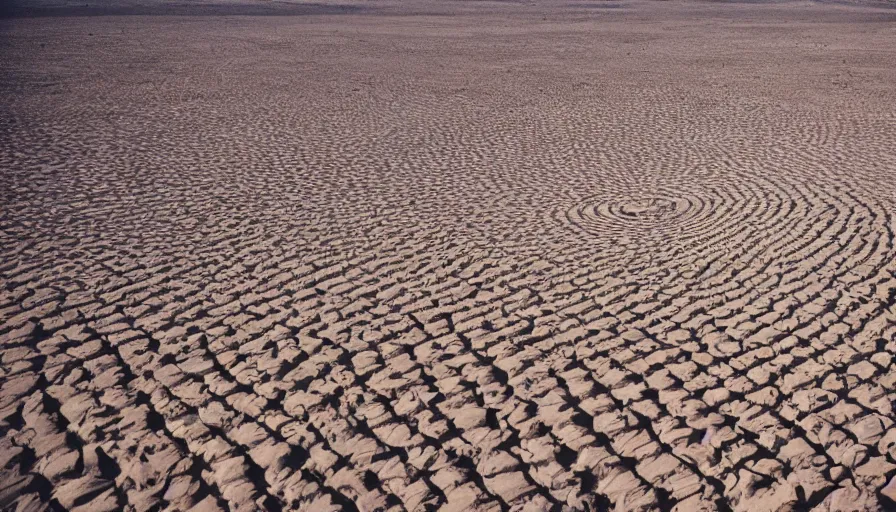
<point x="454" y="256"/>
<point x="640" y="214"/>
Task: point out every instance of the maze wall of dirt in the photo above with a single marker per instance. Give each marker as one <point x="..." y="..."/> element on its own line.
<point x="487" y="256"/>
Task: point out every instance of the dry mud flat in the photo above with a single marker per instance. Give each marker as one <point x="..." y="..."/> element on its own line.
<point x="448" y="256"/>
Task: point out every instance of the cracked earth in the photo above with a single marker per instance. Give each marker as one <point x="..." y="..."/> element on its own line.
<point x="458" y="256"/>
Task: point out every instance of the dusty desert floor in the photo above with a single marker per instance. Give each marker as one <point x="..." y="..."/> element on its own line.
<point x="461" y="256"/>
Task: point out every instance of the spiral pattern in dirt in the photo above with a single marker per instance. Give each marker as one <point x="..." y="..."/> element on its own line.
<point x="487" y="257"/>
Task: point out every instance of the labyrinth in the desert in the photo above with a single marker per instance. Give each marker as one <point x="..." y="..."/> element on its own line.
<point x="447" y="256"/>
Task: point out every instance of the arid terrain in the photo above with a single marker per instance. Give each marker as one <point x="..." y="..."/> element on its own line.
<point x="462" y="256"/>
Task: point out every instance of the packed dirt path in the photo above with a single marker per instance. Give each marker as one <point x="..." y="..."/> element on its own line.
<point x="459" y="256"/>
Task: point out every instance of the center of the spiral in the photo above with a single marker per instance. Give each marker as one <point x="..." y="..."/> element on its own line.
<point x="652" y="207"/>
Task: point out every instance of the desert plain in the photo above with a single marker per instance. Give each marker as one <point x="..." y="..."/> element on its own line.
<point x="460" y="256"/>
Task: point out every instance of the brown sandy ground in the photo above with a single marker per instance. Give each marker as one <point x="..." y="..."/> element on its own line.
<point x="489" y="256"/>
